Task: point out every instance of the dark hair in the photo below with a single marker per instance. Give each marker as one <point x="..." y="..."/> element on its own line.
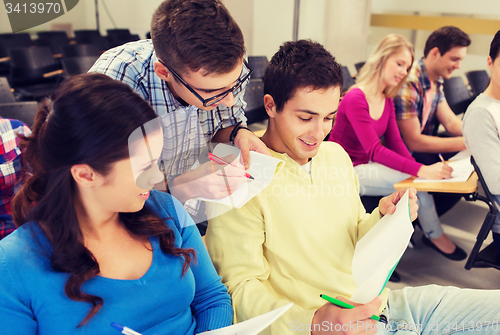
<point x="88" y="122"/>
<point x="495" y="46"/>
<point x="446" y="38"/>
<point x="196" y="34"/>
<point x="297" y="65"/>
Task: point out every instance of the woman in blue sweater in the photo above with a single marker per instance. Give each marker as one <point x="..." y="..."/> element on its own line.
<point x="95" y="244"/>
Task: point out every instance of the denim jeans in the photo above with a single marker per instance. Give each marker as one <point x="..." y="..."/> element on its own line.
<point x="439" y="310"/>
<point x="378" y="179"/>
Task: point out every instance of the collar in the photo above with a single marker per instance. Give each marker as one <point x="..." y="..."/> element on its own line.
<point x="424" y="75"/>
<point x="170" y="97"/>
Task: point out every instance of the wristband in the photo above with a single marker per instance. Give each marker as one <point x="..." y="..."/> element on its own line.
<point x="235" y="130"/>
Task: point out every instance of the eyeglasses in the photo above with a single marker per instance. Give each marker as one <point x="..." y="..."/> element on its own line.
<point x="215" y="99"/>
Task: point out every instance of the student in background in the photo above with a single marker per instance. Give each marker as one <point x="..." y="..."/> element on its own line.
<point x="481" y="127"/>
<point x="366" y="114"/>
<point x="421" y="107"/>
<point x="193" y="73"/>
<point x="296" y="238"/>
<point x="95" y="244"/>
<point x="421" y="99"/>
<point x="10" y="169"/>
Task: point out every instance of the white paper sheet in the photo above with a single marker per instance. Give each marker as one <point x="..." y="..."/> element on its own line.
<point x="462" y="169"/>
<point x="262" y="169"/>
<point x="252" y="326"/>
<point x="379" y="251"/>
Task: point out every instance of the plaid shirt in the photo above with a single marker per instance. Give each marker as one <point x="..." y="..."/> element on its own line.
<point x="409" y="102"/>
<point x="10" y="169"/>
<point x="186" y="129"/>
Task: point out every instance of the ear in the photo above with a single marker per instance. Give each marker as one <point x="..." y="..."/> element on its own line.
<point x="162" y="72"/>
<point x="84" y="175"/>
<point x="270" y="105"/>
<point x="434" y="53"/>
<point x="489" y="61"/>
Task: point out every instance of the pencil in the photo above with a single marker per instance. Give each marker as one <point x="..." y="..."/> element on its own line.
<point x="219" y="160"/>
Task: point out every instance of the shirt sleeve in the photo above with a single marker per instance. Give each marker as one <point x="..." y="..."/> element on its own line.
<point x="395" y="143"/>
<point x="406" y="101"/>
<point x="359" y="116"/>
<point x="237" y="251"/>
<point x="482" y="140"/>
<point x="211" y="305"/>
<point x="15" y="308"/>
<point x="120" y="65"/>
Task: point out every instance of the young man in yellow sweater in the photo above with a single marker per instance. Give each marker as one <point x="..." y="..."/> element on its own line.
<point x="296" y="239"/>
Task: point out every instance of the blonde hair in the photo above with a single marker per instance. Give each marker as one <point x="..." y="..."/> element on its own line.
<point x="388" y="46"/>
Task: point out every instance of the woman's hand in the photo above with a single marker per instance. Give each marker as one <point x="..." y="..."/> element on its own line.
<point x="435" y="171"/>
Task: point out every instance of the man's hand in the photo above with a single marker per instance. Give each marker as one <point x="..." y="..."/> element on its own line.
<point x="330" y="319"/>
<point x="210" y="180"/>
<point x="387" y="205"/>
<point x="247" y="141"/>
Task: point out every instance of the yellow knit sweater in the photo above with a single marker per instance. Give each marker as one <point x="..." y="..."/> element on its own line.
<point x="293" y="241"/>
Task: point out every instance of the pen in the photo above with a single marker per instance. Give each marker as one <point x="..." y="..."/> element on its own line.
<point x="346" y="305"/>
<point x="124" y="330"/>
<point x="219" y="160"/>
<point x="441" y="158"/>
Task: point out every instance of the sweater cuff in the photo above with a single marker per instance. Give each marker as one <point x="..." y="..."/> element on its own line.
<point x="214" y="318"/>
<point x="412" y="168"/>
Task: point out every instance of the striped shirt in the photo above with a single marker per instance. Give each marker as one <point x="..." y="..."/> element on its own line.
<point x="409" y="102"/>
<point x="10" y="169"/>
<point x="186" y="129"/>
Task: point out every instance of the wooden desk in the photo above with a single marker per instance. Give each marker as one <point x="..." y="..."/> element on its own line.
<point x="466" y="187"/>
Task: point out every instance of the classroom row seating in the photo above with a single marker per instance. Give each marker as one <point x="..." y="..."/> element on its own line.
<point x="254" y="94"/>
<point x="58" y="40"/>
<point x="35" y="68"/>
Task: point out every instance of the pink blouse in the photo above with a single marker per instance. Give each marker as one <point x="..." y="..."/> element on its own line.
<point x="360" y="135"/>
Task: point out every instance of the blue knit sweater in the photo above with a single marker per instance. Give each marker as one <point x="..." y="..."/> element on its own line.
<point x="32" y="298"/>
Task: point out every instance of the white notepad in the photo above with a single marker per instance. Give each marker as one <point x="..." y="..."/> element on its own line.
<point x="262" y="169"/>
<point x="462" y="169"/>
<point x="251" y="326"/>
<point x="379" y="251"/>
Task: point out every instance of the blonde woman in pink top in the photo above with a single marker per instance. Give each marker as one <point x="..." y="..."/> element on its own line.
<point x="366" y="128"/>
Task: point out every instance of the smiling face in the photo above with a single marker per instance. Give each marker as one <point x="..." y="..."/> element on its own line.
<point x="206" y="85"/>
<point x="396" y="67"/>
<point x="127" y="186"/>
<point x="445" y="64"/>
<point x="301" y="126"/>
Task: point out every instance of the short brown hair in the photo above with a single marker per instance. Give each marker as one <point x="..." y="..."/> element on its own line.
<point x="196" y="34"/>
<point x="446" y="38"/>
<point x="297" y="65"/>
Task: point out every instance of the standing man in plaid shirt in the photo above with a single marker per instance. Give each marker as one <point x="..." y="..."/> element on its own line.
<point x="10" y="169"/>
<point x="421" y="103"/>
<point x="193" y="73"/>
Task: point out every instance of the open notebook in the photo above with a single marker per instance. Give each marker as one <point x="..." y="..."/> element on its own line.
<point x="262" y="169"/>
<point x="252" y="326"/>
<point x="379" y="251"/>
<point x="462" y="169"/>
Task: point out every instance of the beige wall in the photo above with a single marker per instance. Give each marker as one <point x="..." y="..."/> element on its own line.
<point x="477" y="51"/>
